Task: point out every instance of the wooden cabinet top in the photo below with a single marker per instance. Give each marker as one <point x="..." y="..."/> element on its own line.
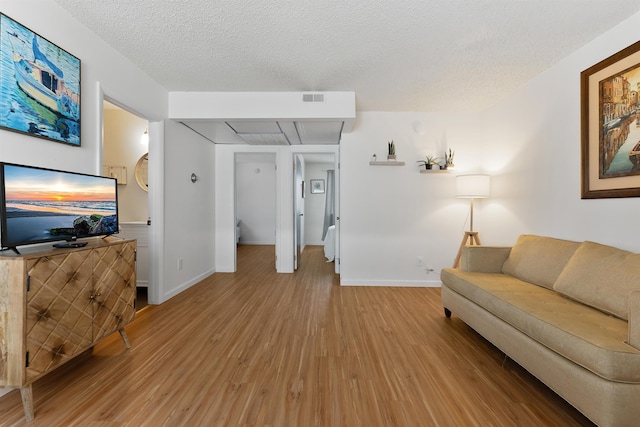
<point x="47" y="249"/>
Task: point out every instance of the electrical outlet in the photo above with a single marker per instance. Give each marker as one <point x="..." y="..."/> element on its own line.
<point x="419" y="261"/>
<point x="180" y="264"/>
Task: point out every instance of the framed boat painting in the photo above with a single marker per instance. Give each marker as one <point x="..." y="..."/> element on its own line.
<point x="39" y="85"/>
<point x="610" y="126"/>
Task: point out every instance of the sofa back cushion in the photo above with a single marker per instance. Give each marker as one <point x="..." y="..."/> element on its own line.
<point x="602" y="277"/>
<point x="539" y="260"/>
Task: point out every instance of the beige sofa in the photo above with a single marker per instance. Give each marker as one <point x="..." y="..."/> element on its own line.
<point x="567" y="312"/>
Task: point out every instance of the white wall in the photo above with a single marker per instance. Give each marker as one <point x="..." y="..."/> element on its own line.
<point x="390" y="215"/>
<point x="314" y="203"/>
<point x="529" y="143"/>
<point x="533" y="144"/>
<point x="122" y="147"/>
<point x="256" y="200"/>
<point x="189" y="209"/>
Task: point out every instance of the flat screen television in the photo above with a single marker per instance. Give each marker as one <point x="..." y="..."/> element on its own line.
<point x="39" y="205"/>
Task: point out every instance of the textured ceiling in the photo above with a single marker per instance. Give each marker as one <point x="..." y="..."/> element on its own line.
<point x="408" y="55"/>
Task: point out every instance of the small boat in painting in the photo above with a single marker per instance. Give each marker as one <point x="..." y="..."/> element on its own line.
<point x="634" y="155"/>
<point x="44" y="82"/>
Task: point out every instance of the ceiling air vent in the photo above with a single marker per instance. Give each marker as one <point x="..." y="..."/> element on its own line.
<point x="313" y="97"/>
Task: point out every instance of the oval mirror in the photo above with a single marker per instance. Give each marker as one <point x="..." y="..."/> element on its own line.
<point x="142" y="172"/>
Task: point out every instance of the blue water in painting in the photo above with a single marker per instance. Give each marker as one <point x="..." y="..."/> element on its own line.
<point x="17" y="110"/>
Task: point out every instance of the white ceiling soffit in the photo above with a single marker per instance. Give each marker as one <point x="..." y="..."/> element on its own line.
<point x="266" y="118"/>
<point x="259" y="133"/>
<point x="319" y="132"/>
<point x="307" y="158"/>
<point x="265" y="138"/>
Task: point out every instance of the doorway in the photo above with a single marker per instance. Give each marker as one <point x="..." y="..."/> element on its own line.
<point x="125" y="157"/>
<point x="316" y="204"/>
<point x="255" y="199"/>
<point x="227" y="219"/>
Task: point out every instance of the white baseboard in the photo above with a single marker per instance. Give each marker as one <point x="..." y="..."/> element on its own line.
<point x="186" y="285"/>
<point x="257" y="242"/>
<point x="393" y="283"/>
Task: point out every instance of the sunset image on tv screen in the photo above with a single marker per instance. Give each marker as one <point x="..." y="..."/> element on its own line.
<point x="45" y="204"/>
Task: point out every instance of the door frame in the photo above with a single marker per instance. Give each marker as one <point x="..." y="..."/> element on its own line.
<point x="335" y="151"/>
<point x="155" y="194"/>
<point x="225" y="218"/>
<point x="298" y="208"/>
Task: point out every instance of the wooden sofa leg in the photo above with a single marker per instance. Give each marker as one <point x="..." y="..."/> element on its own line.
<point x="447" y="313"/>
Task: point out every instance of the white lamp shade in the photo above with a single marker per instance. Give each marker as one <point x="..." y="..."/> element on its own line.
<point x="473" y="186"/>
<point x="144" y="139"/>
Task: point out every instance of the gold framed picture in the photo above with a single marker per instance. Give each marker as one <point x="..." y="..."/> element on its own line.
<point x="610" y="126"/>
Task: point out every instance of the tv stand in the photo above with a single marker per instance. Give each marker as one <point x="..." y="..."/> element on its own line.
<point x="112" y="236"/>
<point x="43" y="288"/>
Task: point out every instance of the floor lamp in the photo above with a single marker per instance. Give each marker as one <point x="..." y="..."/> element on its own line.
<point x="471" y="187"/>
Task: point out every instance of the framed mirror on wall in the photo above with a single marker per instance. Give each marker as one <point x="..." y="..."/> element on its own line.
<point x="142" y="172"/>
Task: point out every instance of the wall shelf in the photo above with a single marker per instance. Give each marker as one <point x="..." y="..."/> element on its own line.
<point x="385" y="163"/>
<point x="435" y="171"/>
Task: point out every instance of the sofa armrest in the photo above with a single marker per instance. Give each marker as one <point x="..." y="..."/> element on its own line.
<point x="634" y="319"/>
<point x="484" y="259"/>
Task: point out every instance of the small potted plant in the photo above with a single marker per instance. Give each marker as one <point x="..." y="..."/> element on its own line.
<point x="430" y="162"/>
<point x="448" y="159"/>
<point x="392" y="151"/>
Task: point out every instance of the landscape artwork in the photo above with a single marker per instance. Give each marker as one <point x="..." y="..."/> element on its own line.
<point x="39" y="85"/>
<point x="610" y="126"/>
<point x="620" y="128"/>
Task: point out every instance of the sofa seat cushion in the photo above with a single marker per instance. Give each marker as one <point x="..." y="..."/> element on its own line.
<point x="601" y="276"/>
<point x="538" y="259"/>
<point x="584" y="335"/>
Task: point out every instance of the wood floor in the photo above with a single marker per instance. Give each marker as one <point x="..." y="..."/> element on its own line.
<point x="256" y="348"/>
